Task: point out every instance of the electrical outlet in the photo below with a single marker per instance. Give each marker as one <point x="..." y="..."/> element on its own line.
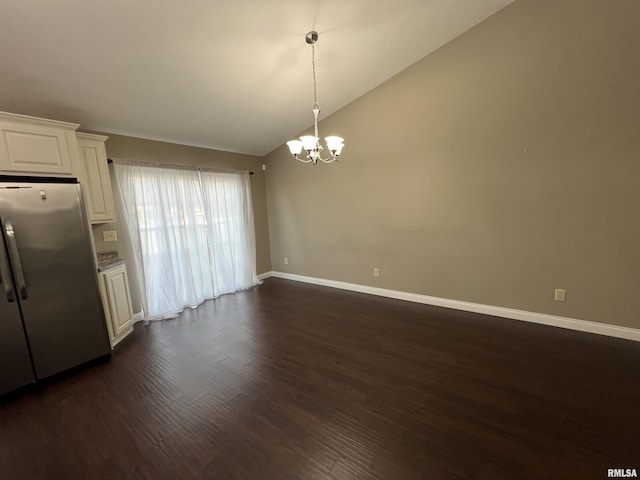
<point x="376" y="272"/>
<point x="561" y="295"/>
<point x="110" y="236"/>
<point x="286" y="261"/>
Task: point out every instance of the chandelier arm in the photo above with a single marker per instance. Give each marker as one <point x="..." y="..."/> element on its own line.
<point x="330" y="159"/>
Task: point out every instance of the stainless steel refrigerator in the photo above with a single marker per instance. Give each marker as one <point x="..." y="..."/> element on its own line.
<point x="51" y="316"/>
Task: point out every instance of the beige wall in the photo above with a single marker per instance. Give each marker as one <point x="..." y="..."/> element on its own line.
<point x="501" y="167"/>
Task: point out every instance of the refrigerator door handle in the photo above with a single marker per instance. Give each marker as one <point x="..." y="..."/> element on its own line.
<point x="5" y="276"/>
<point x="15" y="260"/>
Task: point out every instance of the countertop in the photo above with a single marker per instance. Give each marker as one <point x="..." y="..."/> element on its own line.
<point x="107" y="260"/>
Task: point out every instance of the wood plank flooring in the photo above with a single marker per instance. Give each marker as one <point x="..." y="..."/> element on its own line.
<point x="295" y="381"/>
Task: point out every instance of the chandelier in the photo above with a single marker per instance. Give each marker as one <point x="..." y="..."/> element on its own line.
<point x="311" y="143"/>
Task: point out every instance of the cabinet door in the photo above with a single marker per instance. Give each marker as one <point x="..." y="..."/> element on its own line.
<point x="119" y="302"/>
<point x="93" y="173"/>
<point x="36" y="149"/>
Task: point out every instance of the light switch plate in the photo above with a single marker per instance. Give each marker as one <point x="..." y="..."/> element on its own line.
<point x="110" y="236"/>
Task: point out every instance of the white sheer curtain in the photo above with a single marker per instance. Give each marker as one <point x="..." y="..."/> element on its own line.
<point x="191" y="231"/>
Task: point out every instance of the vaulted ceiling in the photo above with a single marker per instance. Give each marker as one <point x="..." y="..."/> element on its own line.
<point x="225" y="74"/>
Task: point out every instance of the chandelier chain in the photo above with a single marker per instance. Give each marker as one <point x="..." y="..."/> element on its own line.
<point x="313" y="65"/>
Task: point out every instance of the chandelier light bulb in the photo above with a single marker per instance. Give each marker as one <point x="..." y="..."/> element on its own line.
<point x="309" y="142"/>
<point x="295" y="146"/>
<point x="334" y="143"/>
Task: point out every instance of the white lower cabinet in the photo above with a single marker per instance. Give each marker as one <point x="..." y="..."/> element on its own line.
<point x="117" y="303"/>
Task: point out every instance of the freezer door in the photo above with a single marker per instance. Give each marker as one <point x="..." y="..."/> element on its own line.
<point x="56" y="283"/>
<point x="15" y="364"/>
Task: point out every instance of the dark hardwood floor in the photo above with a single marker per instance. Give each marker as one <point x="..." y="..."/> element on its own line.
<point x="294" y="381"/>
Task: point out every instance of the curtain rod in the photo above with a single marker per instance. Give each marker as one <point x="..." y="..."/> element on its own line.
<point x="187" y="167"/>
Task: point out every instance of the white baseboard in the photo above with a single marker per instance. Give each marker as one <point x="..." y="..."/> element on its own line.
<point x="138" y="317"/>
<point x="264" y="275"/>
<point x="522" y="315"/>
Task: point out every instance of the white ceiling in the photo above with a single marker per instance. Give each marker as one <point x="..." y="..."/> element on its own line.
<point x="225" y="74"/>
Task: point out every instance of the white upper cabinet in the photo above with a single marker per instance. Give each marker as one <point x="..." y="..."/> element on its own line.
<point x="93" y="173"/>
<point x="36" y="146"/>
